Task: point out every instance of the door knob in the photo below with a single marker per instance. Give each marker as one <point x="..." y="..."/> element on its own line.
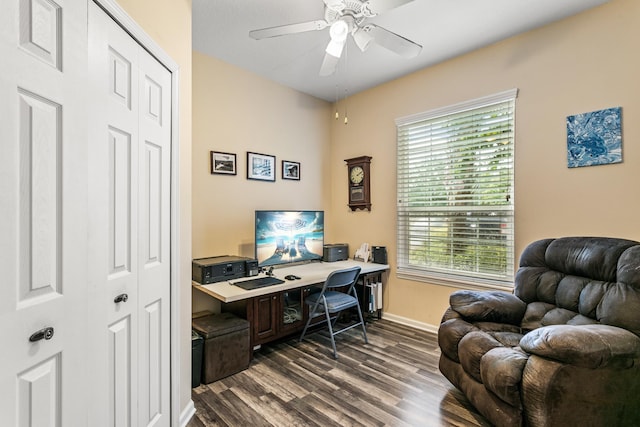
<point x="45" y="333"/>
<point x="121" y="298"/>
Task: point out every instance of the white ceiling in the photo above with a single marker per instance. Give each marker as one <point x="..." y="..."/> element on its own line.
<point x="445" y="29"/>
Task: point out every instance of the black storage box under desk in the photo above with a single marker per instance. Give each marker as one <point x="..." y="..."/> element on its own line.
<point x="227" y="347"/>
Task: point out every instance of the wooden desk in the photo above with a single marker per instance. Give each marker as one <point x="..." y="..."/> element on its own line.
<point x="310" y="274"/>
<point x="279" y="310"/>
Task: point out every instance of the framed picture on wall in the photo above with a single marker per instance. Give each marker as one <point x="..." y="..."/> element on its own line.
<point x="261" y="167"/>
<point x="223" y="163"/>
<point x="594" y="138"/>
<point x="290" y="170"/>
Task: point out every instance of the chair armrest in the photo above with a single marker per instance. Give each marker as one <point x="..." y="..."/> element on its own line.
<point x="587" y="346"/>
<point x="488" y="306"/>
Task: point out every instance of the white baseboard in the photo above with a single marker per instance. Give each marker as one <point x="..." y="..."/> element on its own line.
<point x="187" y="413"/>
<point x="410" y="322"/>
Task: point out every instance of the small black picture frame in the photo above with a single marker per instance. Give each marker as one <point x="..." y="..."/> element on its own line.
<point x="223" y="163"/>
<point x="291" y="170"/>
<point x="261" y="167"/>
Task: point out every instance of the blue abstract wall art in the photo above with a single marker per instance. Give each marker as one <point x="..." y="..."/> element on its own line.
<point x="594" y="138"/>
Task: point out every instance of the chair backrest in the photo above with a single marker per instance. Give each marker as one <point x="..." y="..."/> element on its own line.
<point x="340" y="278"/>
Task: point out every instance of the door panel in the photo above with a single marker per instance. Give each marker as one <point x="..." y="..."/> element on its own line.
<point x="154" y="201"/>
<point x="129" y="199"/>
<point x="113" y="183"/>
<point x="41" y="30"/>
<point x="151" y="364"/>
<point x="121" y="384"/>
<point x="43" y="206"/>
<point x="264" y="318"/>
<point x="37" y="388"/>
<point x="40" y="192"/>
<point x="121" y="212"/>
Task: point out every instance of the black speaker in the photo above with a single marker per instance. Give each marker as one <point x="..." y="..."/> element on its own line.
<point x="379" y="254"/>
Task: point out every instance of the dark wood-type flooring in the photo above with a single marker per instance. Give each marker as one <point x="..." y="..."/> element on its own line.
<point x="392" y="381"/>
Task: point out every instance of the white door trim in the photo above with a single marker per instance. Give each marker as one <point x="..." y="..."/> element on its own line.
<point x="128" y="24"/>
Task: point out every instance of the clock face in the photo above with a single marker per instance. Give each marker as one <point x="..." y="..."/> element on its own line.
<point x="357" y="175"/>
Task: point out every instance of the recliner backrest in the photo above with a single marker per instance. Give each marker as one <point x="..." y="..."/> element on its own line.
<point x="580" y="280"/>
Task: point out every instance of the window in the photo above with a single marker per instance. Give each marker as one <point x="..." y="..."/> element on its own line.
<point x="455" y="193"/>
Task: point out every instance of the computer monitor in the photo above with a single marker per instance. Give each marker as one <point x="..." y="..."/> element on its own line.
<point x="285" y="237"/>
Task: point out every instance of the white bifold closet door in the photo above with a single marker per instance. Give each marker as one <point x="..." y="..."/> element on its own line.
<point x="129" y="205"/>
<point x="43" y="221"/>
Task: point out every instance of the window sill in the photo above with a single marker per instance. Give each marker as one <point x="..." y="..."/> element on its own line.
<point x="454" y="281"/>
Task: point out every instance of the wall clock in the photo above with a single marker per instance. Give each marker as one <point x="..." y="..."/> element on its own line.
<point x="359" y="183"/>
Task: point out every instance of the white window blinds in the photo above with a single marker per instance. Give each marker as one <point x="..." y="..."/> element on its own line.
<point x="455" y="193"/>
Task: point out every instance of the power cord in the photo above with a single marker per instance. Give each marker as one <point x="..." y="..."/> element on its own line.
<point x="291" y="315"/>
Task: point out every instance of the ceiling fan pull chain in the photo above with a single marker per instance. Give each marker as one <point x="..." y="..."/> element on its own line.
<point x="346" y="117"/>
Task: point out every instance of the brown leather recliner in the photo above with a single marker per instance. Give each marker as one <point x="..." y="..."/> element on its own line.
<point x="564" y="349"/>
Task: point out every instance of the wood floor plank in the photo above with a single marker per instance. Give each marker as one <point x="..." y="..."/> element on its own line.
<point x="391" y="381"/>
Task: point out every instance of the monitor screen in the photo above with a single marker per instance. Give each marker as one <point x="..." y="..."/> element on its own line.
<point x="284" y="237"/>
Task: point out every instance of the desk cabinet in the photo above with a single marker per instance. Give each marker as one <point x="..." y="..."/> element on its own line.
<point x="280" y="314"/>
<point x="274" y="315"/>
<point x="265" y="317"/>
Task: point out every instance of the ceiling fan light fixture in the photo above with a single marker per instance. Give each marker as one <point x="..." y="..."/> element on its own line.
<point x="339" y="31"/>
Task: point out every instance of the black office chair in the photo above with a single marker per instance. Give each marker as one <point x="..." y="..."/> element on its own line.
<point x="332" y="302"/>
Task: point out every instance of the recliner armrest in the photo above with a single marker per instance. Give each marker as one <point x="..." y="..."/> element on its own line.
<point x="587" y="346"/>
<point x="488" y="306"/>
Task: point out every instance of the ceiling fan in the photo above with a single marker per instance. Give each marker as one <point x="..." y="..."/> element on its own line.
<point x="344" y="17"/>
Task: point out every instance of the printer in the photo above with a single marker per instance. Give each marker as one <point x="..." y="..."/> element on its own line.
<point x="335" y="252"/>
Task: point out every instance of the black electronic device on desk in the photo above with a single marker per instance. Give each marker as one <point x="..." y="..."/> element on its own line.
<point x="258" y="282"/>
<point x="222" y="268"/>
<point x="379" y="254"/>
<point x="335" y="252"/>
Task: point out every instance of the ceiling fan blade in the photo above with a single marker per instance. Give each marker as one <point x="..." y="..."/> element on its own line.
<point x="394" y="42"/>
<point x="329" y="65"/>
<point x="362" y="38"/>
<point x="283" y="30"/>
<point x="380" y="6"/>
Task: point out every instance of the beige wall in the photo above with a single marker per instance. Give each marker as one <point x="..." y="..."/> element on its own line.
<point x="580" y="64"/>
<point x="168" y="23"/>
<point x="235" y="111"/>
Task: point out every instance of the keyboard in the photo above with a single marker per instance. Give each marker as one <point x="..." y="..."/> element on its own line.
<point x="259" y="282"/>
